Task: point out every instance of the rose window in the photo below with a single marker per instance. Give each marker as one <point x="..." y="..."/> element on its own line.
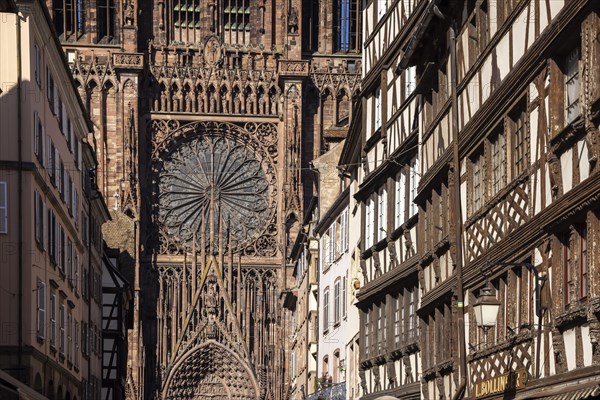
<point x="218" y="171"/>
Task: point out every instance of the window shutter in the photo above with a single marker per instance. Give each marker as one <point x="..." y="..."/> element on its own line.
<point x="53" y="319"/>
<point x="41" y="309"/>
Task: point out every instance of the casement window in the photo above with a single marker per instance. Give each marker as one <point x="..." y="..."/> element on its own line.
<point x="381" y="327"/>
<point x="347" y="29"/>
<point x="398" y="319"/>
<point x="331" y="244"/>
<point x="62" y="181"/>
<point x="574" y="243"/>
<point x="572" y="109"/>
<point x="60" y="112"/>
<point x="583" y="260"/>
<point x="517" y="120"/>
<point x="76" y="273"/>
<point x="344" y="231"/>
<point x="37" y="58"/>
<point x="326" y="310"/>
<point x="55" y="179"/>
<point x="38" y="135"/>
<point x="381" y="213"/>
<point x="344" y="296"/>
<point x="75" y="203"/>
<point x="337" y="302"/>
<point x="62" y="249"/>
<point x="41" y="309"/>
<point x="85" y="284"/>
<point x="50" y="159"/>
<point x="69" y="193"/>
<point x="50" y="88"/>
<point x="52" y="235"/>
<point x="76" y="340"/>
<point x="566" y="266"/>
<point x="69" y="17"/>
<point x="85" y="228"/>
<point x="498" y="149"/>
<point x="70" y="260"/>
<point x="53" y="319"/>
<point x="38" y="213"/>
<point x="78" y="155"/>
<point x="369" y="222"/>
<point x="377" y="101"/>
<point x="62" y="326"/>
<point x="399" y="199"/>
<point x="411" y="313"/>
<point x="414" y="184"/>
<point x="3" y="207"/>
<point x="367" y="329"/>
<point x="106" y="11"/>
<point x="477" y="175"/>
<point x="85" y="340"/>
<point x="69" y="134"/>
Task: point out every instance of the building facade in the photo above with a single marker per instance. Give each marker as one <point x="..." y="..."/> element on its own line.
<point x="487" y="111"/>
<point x="50" y="216"/>
<point x="206" y="115"/>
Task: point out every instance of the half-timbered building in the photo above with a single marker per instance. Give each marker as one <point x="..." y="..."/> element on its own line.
<point x="507" y="96"/>
<point x="478" y="171"/>
<point x="386" y="183"/>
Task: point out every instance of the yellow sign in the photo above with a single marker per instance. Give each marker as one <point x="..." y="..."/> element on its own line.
<point x="498" y="384"/>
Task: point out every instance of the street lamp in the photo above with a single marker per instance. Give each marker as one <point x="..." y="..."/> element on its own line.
<point x="486" y="307"/>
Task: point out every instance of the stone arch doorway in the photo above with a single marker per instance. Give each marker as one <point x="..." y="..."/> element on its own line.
<point x="211" y="371"/>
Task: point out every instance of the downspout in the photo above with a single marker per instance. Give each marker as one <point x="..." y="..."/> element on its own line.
<point x="458" y="219"/>
<point x="89" y="277"/>
<point x="20" y="199"/>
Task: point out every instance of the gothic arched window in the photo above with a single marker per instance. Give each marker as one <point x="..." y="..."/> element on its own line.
<point x="346" y="27"/>
<point x="69" y="18"/>
<point x="236" y="21"/>
<point x="186" y="21"/>
<point x="106" y="27"/>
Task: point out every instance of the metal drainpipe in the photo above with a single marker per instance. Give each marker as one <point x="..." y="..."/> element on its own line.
<point x="20" y="197"/>
<point x="458" y="219"/>
<point x="89" y="284"/>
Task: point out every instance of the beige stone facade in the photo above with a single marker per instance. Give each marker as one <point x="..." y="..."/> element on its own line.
<point x="50" y="216"/>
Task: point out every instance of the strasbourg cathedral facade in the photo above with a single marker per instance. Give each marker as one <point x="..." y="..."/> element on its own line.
<point x="206" y="117"/>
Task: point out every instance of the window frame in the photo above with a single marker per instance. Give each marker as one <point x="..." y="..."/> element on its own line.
<point x="326" y="310"/>
<point x="38" y="219"/>
<point x="52" y="319"/>
<point x="572" y="60"/>
<point x="337" y="302"/>
<point x="400" y="198"/>
<point x="382" y="225"/>
<point x="518" y="123"/>
<point x="106" y="21"/>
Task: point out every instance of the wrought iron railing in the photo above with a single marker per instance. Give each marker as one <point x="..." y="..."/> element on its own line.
<point x="334" y="392"/>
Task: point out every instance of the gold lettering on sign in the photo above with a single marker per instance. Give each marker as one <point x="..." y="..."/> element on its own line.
<point x="501" y="383"/>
